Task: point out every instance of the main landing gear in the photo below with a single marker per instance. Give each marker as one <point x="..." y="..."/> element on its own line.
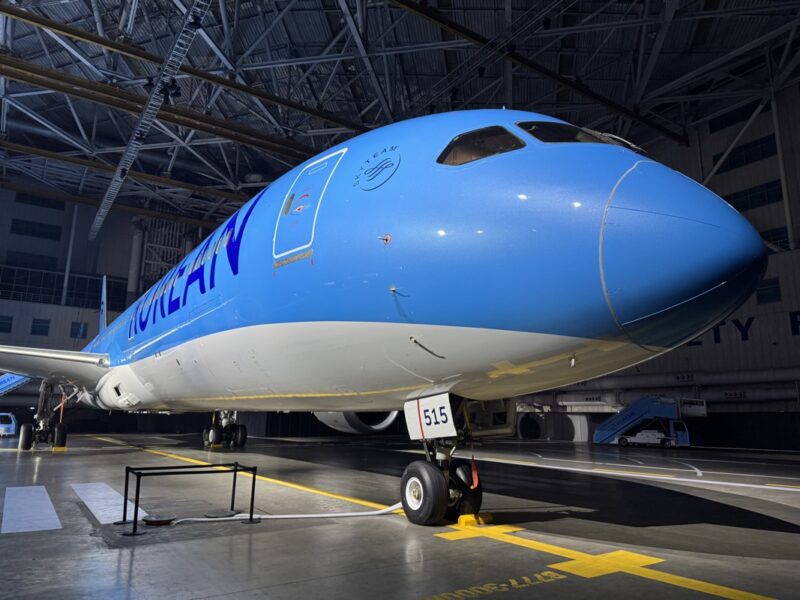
<point x="48" y="426"/>
<point x="440" y="487"/>
<point x="224" y="431"/>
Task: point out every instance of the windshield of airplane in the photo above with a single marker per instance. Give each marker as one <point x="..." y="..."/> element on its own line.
<point x="474" y="145"/>
<point x="549" y="132"/>
<point x="546" y="131"/>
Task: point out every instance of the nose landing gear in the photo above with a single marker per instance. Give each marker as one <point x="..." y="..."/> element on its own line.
<point x="440" y="488"/>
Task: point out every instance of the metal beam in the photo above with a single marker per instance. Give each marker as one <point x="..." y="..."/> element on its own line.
<point x="191" y="24"/>
<point x="41" y="192"/>
<point x="362" y="51"/>
<point x="477" y="39"/>
<point x="108" y="95"/>
<point x="735" y="141"/>
<point x="715" y="64"/>
<point x="96" y="165"/>
<point x="135" y="52"/>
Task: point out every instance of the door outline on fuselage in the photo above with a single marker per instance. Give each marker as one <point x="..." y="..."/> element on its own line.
<point x="335" y="158"/>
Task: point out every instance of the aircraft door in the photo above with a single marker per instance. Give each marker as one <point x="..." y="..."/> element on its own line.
<point x="297" y="219"/>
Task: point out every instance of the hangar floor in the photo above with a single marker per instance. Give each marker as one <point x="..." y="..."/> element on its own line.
<point x="569" y="521"/>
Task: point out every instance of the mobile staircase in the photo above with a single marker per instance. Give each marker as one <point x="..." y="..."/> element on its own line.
<point x="641" y="411"/>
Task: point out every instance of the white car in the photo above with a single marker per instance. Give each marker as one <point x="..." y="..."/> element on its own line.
<point x="647" y="437"/>
<point x="8" y="424"/>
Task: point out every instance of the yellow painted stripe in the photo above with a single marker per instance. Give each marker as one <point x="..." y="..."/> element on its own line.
<point x="110" y="440"/>
<point x="666" y="476"/>
<point x="783" y="485"/>
<point x="695" y="584"/>
<point x="287" y="484"/>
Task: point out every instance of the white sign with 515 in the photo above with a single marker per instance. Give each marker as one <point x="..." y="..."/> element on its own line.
<point x="430" y="418"/>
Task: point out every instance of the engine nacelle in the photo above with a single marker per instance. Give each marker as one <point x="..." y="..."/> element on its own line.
<point x="357" y="422"/>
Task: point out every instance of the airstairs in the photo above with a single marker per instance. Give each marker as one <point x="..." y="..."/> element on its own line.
<point x="642" y="410"/>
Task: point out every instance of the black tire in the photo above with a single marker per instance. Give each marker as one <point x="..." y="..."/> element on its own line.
<point x="469" y="502"/>
<point x="623" y="441"/>
<point x="423" y="490"/>
<point x="239" y="436"/>
<point x="228" y="433"/>
<point x="25" y="437"/>
<point x="60" y="435"/>
<point x="215" y="435"/>
<point x="205" y="435"/>
<point x="665" y="443"/>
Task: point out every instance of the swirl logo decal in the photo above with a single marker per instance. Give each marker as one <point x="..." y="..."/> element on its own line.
<point x="377" y="169"/>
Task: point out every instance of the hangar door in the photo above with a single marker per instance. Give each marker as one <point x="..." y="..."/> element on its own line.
<point x="297" y="219"/>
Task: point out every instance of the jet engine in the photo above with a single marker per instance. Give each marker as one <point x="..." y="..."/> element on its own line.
<point x="357" y="422"/>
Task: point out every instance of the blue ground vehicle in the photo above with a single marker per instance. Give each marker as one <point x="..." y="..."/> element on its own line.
<point x="8" y="424"/>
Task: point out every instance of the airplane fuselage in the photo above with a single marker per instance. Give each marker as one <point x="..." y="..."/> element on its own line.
<point x="372" y="274"/>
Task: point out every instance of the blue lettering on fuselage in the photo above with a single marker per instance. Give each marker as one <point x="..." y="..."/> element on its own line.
<point x="193" y="266"/>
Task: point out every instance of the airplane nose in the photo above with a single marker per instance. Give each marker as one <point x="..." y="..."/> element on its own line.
<point x="675" y="258"/>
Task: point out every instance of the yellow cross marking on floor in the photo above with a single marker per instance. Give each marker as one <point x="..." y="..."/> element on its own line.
<point x="606" y="564"/>
<point x="589" y="566"/>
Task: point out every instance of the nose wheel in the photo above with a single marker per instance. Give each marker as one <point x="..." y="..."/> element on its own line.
<point x="431" y="492"/>
<point x="424" y="493"/>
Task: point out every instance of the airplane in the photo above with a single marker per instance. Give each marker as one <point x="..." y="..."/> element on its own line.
<point x="440" y="266"/>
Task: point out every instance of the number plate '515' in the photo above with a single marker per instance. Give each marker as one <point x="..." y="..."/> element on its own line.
<point x="429" y="418"/>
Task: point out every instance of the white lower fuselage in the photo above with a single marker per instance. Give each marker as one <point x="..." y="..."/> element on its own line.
<point x="311" y="366"/>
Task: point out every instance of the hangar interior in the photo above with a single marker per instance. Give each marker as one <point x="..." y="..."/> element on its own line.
<point x="100" y="181"/>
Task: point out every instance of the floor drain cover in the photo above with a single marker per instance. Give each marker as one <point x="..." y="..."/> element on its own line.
<point x="221" y="514"/>
<point x="158" y="520"/>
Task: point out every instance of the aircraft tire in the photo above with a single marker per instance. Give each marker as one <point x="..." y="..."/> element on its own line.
<point x="469" y="502"/>
<point x="239" y="436"/>
<point x="423" y="491"/>
<point x="215" y="435"/>
<point x="60" y="435"/>
<point x="25" y="437"/>
<point x="205" y="435"/>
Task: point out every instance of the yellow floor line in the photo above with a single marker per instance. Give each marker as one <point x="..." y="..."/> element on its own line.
<point x="287" y="484"/>
<point x="579" y="563"/>
<point x="783" y="485"/>
<point x="666" y="476"/>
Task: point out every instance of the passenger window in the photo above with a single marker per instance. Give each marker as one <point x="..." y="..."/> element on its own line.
<point x="478" y="144"/>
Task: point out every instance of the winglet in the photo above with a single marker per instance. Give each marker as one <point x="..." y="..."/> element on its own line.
<point x="103" y="319"/>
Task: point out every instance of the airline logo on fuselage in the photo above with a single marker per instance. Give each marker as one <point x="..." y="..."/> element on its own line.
<point x="170" y="294"/>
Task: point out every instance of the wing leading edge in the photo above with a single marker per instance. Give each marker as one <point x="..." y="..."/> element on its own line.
<point x="83" y="369"/>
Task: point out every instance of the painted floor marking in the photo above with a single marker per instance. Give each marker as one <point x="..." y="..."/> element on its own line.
<point x="104" y="502"/>
<point x="693" y="468"/>
<point x="28" y="508"/>
<point x="579" y="563"/>
<point x="596" y="565"/>
<point x="294" y="486"/>
<point x="783" y="485"/>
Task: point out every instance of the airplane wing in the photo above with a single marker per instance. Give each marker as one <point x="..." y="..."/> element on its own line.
<point x="83" y="369"/>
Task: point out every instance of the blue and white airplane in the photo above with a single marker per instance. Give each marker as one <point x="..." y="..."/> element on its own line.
<point x="480" y="255"/>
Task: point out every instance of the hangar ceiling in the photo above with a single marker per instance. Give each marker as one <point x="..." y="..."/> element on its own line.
<point x="266" y="84"/>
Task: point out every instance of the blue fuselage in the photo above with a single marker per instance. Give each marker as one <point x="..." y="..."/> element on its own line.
<point x="586" y="240"/>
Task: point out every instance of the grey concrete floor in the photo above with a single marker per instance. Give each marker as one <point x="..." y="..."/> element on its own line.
<point x="570" y="521"/>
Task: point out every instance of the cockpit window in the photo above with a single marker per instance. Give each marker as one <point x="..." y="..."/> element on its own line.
<point x="546" y="131"/>
<point x="478" y="144"/>
<point x="549" y="132"/>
